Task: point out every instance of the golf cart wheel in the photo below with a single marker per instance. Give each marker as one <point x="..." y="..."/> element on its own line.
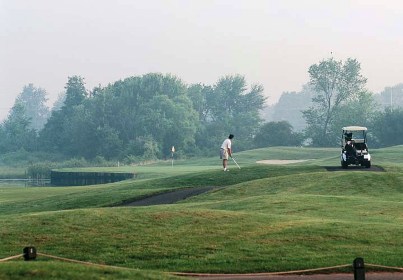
<point x="368" y="164"/>
<point x="344" y="164"/>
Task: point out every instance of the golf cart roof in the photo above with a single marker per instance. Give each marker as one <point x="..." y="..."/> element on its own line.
<point x="354" y="128"/>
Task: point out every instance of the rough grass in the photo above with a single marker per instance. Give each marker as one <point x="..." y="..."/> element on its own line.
<point x="40" y="270"/>
<point x="262" y="219"/>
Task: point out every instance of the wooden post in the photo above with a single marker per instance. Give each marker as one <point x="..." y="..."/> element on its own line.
<point x="359" y="269"/>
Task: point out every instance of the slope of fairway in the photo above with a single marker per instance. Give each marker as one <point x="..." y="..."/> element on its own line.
<point x="21" y="200"/>
<point x="260" y="219"/>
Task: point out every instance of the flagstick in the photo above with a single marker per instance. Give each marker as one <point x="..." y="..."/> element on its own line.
<point x="172" y="155"/>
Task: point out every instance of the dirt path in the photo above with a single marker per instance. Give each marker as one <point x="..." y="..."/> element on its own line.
<point x="168" y="197"/>
<point x="336" y="276"/>
<point x="373" y="168"/>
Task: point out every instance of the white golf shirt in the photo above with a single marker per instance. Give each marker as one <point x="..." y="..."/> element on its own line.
<point x="226" y="144"/>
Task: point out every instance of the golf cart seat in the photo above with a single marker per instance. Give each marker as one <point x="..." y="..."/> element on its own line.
<point x="360" y="146"/>
<point x="348" y="136"/>
<point x="361" y="149"/>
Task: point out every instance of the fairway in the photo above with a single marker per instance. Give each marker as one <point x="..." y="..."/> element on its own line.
<point x="261" y="218"/>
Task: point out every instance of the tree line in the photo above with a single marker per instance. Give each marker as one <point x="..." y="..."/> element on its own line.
<point x="136" y="118"/>
<point x="143" y="117"/>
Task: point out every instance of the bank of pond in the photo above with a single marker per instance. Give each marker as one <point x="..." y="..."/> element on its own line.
<point x="69" y="178"/>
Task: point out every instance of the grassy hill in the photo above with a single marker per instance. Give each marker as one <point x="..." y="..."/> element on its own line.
<point x="262" y="218"/>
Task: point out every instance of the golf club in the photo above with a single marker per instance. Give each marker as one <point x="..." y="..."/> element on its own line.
<point x="236" y="163"/>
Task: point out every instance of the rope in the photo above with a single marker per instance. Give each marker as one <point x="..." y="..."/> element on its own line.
<point x="85" y="263"/>
<point x="383" y="266"/>
<point x="10" y="258"/>
<point x="205" y="274"/>
<point x="262" y="273"/>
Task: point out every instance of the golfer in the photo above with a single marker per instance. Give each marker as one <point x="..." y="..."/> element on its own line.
<point x="226" y="152"/>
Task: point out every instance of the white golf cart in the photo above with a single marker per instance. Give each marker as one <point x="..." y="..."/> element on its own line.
<point x="354" y="149"/>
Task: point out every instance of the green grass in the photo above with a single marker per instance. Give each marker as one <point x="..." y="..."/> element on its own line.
<point x="22" y="200"/>
<point x="263" y="218"/>
<point x="59" y="270"/>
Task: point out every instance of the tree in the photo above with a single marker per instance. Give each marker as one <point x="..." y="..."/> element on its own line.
<point x="170" y="122"/>
<point x="15" y="131"/>
<point x="199" y="95"/>
<point x="80" y="132"/>
<point x="227" y="107"/>
<point x="75" y="92"/>
<point x="290" y="106"/>
<point x="277" y="134"/>
<point x="56" y="136"/>
<point x="143" y="117"/>
<point x="59" y="101"/>
<point x="360" y="111"/>
<point x="26" y="117"/>
<point x="387" y="127"/>
<point x="391" y="96"/>
<point x="34" y="102"/>
<point x="335" y="83"/>
<point x="152" y="111"/>
<point x="52" y="137"/>
<point x="108" y="144"/>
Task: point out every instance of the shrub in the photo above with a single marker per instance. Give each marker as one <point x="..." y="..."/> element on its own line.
<point x="75" y="162"/>
<point x="40" y="170"/>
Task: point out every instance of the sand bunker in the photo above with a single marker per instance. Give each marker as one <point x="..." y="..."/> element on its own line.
<point x="281" y="161"/>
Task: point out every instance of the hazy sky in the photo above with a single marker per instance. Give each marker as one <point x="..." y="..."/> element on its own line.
<point x="270" y="42"/>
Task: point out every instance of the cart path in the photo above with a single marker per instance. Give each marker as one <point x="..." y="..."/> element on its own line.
<point x="333" y="276"/>
<point x="373" y="168"/>
<point x="169" y="197"/>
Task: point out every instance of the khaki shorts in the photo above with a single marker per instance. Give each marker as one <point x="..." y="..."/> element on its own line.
<point x="223" y="154"/>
